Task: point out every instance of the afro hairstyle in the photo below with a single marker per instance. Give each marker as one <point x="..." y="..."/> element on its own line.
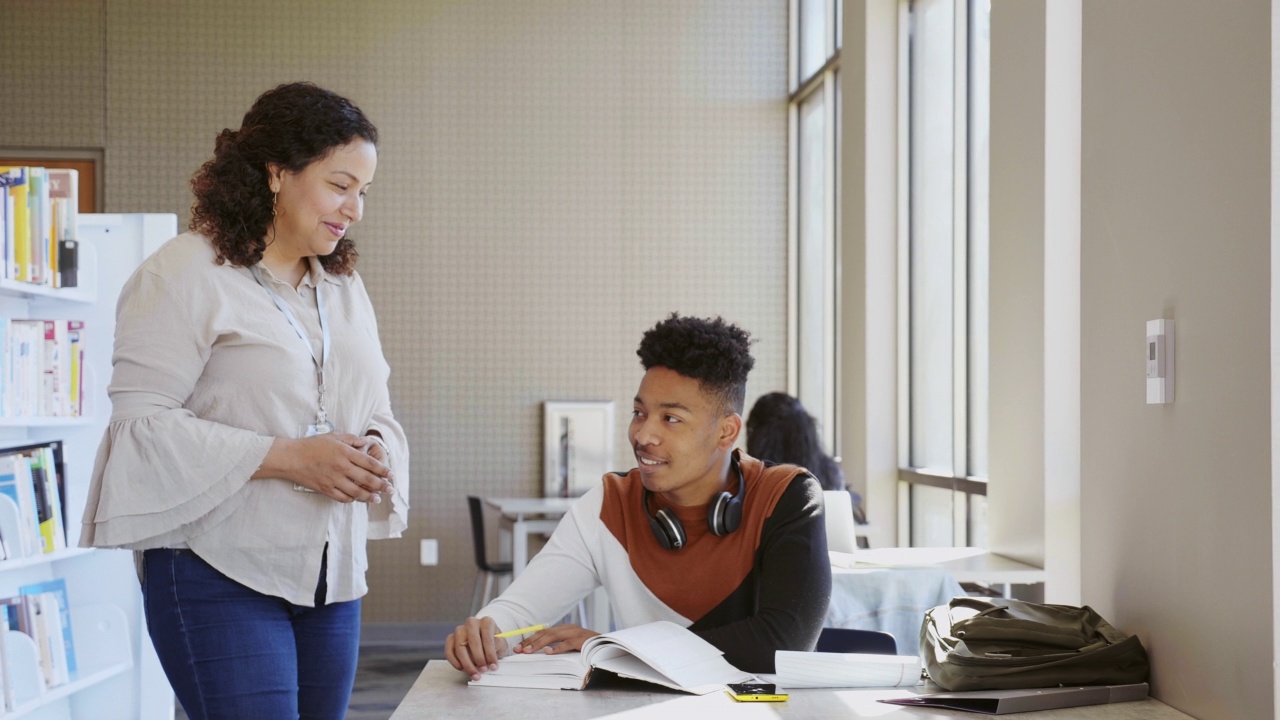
<point x="711" y="351"/>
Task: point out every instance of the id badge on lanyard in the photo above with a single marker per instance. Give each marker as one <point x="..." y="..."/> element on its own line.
<point x="321" y="426"/>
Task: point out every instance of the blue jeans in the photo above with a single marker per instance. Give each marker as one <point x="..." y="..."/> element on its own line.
<point x="234" y="653"/>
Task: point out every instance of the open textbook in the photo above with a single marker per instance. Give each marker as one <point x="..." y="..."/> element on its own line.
<point x="659" y="652"/>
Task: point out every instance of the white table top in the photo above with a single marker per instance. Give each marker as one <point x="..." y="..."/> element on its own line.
<point x="966" y="564"/>
<point x="521" y="506"/>
<point x="441" y="693"/>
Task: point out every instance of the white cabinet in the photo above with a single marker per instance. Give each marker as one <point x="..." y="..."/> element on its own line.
<point x="119" y="677"/>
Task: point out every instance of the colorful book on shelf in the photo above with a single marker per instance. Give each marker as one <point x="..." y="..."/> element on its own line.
<point x="40" y="222"/>
<point x="6" y="227"/>
<point x="16" y="486"/>
<point x="43" y="364"/>
<point x="48" y="501"/>
<point x="51" y="598"/>
<point x="48" y="485"/>
<point x="64" y="201"/>
<point x="75" y="342"/>
<point x="16" y="180"/>
<point x="10" y="215"/>
<point x="8" y="616"/>
<point x="25" y="349"/>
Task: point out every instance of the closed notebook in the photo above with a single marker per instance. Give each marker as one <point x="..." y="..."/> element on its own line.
<point x="795" y="670"/>
<point x="1004" y="702"/>
<point x="660" y="652"/>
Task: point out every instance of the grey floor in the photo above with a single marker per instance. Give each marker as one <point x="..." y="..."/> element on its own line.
<point x="391" y="657"/>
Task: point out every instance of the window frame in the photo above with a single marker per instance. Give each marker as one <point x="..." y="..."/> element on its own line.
<point x="823" y="80"/>
<point x="962" y="484"/>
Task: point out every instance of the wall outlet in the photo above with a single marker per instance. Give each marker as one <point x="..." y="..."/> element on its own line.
<point x="429" y="553"/>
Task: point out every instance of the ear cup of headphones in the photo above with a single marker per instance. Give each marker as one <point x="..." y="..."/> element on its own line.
<point x="716" y="514"/>
<point x="667" y="529"/>
<point x="724" y="514"/>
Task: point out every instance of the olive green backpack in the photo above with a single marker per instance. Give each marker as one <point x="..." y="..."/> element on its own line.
<point x="1001" y="644"/>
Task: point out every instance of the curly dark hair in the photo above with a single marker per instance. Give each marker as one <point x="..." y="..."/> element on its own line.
<point x="711" y="351"/>
<point x="780" y="430"/>
<point x="292" y="126"/>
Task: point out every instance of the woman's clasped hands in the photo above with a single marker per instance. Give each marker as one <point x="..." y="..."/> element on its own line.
<point x="344" y="467"/>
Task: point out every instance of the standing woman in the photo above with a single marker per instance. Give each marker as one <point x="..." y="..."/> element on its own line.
<point x="252" y="450"/>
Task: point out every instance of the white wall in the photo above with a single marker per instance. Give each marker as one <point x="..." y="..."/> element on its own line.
<point x="1173" y="514"/>
<point x="1015" y="500"/>
<point x="1177" y="499"/>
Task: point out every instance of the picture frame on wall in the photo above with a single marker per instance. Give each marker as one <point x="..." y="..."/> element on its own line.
<point x="577" y="446"/>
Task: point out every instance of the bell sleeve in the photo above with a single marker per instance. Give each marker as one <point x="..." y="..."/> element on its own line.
<point x="161" y="472"/>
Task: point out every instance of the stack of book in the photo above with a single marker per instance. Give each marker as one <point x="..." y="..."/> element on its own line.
<point x="38" y="215"/>
<point x="40" y="611"/>
<point x="32" y="511"/>
<point x="41" y="368"/>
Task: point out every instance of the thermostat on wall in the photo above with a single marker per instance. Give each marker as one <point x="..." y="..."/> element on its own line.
<point x="1159" y="362"/>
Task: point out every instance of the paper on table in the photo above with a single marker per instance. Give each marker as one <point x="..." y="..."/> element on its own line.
<point x="826" y="670"/>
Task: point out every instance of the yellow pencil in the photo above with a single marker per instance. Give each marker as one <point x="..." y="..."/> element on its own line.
<point x="520" y="631"/>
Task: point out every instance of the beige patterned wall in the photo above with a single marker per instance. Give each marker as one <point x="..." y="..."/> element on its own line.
<point x="52" y="93"/>
<point x="555" y="176"/>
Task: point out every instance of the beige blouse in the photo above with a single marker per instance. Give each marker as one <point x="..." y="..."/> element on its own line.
<point x="207" y="371"/>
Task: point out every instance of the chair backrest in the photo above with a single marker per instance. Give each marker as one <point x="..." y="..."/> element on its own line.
<point x="477" y="532"/>
<point x="848" y="640"/>
<point x="838" y="513"/>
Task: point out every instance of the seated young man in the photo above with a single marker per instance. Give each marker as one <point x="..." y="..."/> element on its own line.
<point x="698" y="534"/>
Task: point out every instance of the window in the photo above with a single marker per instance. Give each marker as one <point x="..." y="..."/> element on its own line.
<point x="814" y="117"/>
<point x="945" y="272"/>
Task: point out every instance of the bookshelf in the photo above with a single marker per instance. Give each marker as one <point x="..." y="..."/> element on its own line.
<point x="118" y="676"/>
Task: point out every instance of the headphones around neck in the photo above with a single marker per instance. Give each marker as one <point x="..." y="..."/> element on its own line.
<point x="724" y="515"/>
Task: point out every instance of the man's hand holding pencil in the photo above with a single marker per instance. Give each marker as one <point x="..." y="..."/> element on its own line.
<point x="476" y="645"/>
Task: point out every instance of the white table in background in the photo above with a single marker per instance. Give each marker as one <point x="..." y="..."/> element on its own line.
<point x="441" y="693"/>
<point x="966" y="564"/>
<point x="528" y="516"/>
<point x="540" y="516"/>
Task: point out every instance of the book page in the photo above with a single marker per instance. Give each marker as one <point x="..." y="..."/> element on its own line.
<point x="673" y="651"/>
<point x="630" y="666"/>
<point x="797" y="670"/>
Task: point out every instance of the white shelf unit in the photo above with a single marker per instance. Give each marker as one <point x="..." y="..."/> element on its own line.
<point x="119" y="677"/>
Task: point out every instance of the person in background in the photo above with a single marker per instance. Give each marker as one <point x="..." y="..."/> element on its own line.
<point x="698" y="534"/>
<point x="252" y="450"/>
<point x="780" y="430"/>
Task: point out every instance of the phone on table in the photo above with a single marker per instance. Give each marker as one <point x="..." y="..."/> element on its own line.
<point x="757" y="692"/>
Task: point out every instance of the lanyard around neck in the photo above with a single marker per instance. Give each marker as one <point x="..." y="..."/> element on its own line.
<point x="322" y="416"/>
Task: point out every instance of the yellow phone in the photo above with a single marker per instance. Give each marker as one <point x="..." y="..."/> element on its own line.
<point x="757" y="692"/>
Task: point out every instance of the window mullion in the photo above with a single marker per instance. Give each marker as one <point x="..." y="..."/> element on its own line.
<point x="829" y="256"/>
<point x="904" y="243"/>
<point x="960" y="253"/>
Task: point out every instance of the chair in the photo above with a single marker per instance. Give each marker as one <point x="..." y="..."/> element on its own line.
<point x="838" y="514"/>
<point x="847" y="640"/>
<point x="487" y="573"/>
